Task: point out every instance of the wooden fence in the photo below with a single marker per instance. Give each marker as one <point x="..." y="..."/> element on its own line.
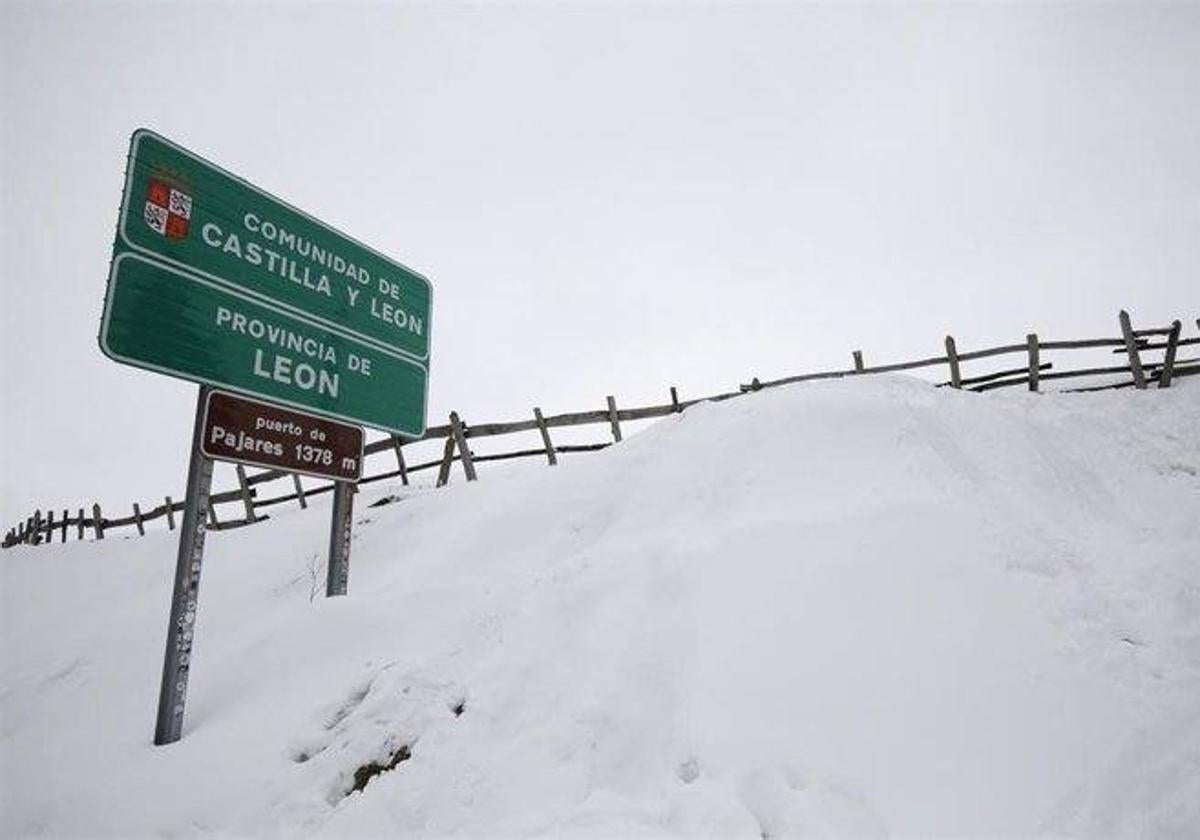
<point x="1136" y="369"/>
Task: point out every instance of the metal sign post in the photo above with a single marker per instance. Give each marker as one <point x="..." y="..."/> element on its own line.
<point x="177" y="661"/>
<point x="338" y="568"/>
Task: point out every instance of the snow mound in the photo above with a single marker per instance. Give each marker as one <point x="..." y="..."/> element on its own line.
<point x="861" y="608"/>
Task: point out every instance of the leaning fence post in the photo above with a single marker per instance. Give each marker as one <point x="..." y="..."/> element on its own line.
<point x="858" y="361"/>
<point x="1031" y="341"/>
<point x="464" y="451"/>
<point x="137" y="520"/>
<point x="541" y="424"/>
<point x="247" y="497"/>
<point x="396" y="444"/>
<point x="299" y="491"/>
<point x="170" y="513"/>
<point x="1168" y="368"/>
<point x="447" y="459"/>
<point x="614" y="419"/>
<point x="1135" y="361"/>
<point x="952" y="358"/>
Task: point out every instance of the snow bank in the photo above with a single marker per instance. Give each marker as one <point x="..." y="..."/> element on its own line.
<point x="860" y="608"/>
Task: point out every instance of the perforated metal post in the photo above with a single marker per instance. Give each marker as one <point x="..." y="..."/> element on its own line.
<point x="177" y="661"/>
<point x="337" y="573"/>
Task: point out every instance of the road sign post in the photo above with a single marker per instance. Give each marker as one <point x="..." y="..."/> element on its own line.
<point x="177" y="660"/>
<point x="215" y="281"/>
<point x="337" y="570"/>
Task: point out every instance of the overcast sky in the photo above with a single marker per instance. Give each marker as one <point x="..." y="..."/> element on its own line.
<point x="608" y="198"/>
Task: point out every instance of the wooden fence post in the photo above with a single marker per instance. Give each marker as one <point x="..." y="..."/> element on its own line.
<point x="447" y="459"/>
<point x="675" y="406"/>
<point x="137" y="520"/>
<point x="299" y="491"/>
<point x="79" y="533"/>
<point x="464" y="451"/>
<point x="21" y="532"/>
<point x="213" y="522"/>
<point x="1031" y="341"/>
<point x="541" y="423"/>
<point x="97" y="521"/>
<point x="247" y="498"/>
<point x="614" y="420"/>
<point x="396" y="444"/>
<point x="170" y="513"/>
<point x="858" y="361"/>
<point x="49" y="526"/>
<point x="1168" y="368"/>
<point x="66" y="518"/>
<point x="952" y="357"/>
<point x="1135" y="361"/>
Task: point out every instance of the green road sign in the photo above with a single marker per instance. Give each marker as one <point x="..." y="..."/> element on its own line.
<point x="166" y="320"/>
<point x="194" y="215"/>
<point x="195" y="242"/>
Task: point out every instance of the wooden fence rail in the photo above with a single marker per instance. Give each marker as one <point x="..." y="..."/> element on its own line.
<point x="456" y="434"/>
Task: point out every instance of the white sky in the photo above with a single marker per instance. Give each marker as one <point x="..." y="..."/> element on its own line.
<point x="609" y="198"/>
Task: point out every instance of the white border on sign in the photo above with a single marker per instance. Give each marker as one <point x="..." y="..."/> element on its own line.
<point x="229" y="386"/>
<point x="126" y="201"/>
<point x="362" y="439"/>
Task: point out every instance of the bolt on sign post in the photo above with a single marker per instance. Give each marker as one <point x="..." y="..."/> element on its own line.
<point x="215" y="281"/>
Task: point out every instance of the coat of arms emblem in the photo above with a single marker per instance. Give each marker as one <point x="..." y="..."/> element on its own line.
<point x="168" y="209"/>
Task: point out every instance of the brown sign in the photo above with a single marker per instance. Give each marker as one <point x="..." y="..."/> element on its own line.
<point x="253" y="432"/>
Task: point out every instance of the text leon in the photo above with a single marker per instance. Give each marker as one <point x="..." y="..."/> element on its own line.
<point x="287" y="360"/>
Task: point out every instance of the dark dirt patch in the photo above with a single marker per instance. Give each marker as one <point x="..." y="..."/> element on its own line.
<point x="363" y="775"/>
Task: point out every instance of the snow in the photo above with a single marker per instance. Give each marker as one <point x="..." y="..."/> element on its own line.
<point x="859" y="608"/>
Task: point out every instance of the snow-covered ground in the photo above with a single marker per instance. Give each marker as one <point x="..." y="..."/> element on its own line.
<point x="857" y="608"/>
